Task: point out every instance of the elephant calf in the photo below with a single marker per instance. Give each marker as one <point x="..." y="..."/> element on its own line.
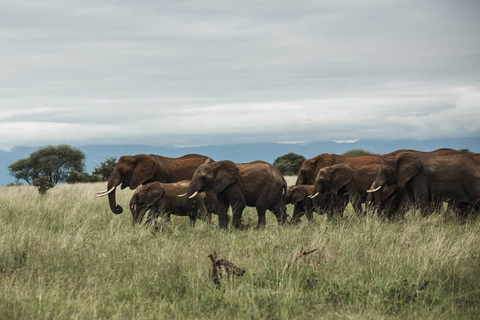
<point x="303" y="204"/>
<point x="163" y="199"/>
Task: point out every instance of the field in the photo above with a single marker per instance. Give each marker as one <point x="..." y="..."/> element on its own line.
<point x="65" y="255"/>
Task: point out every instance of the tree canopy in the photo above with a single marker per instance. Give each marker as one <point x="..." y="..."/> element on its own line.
<point x="289" y="164"/>
<point x="53" y="164"/>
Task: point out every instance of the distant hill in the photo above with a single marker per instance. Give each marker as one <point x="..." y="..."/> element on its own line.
<point x="243" y="152"/>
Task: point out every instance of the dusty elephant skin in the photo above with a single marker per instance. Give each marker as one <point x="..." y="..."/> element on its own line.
<point x="453" y="177"/>
<point x="132" y="171"/>
<point x="256" y="184"/>
<point x="162" y="200"/>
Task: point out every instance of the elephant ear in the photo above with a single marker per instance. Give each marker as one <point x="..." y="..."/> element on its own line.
<point x="407" y="167"/>
<point x="143" y="170"/>
<point x="340" y="177"/>
<point x="298" y="194"/>
<point x="387" y="191"/>
<point x="153" y="194"/>
<point x="225" y="174"/>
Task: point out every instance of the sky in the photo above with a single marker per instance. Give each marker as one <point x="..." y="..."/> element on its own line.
<point x="183" y="73"/>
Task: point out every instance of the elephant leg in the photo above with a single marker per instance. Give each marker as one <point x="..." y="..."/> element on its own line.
<point x="237" y="208"/>
<point x="193" y="219"/>
<point x="222" y="212"/>
<point x="297" y="213"/>
<point x="280" y="212"/>
<point x="309" y="215"/>
<point x="261" y="217"/>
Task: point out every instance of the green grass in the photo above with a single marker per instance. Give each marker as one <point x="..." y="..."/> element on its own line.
<point x="65" y="255"/>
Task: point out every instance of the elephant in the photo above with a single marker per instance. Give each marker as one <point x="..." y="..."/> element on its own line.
<point x="132" y="171"/>
<point x="162" y="199"/>
<point x="310" y="167"/>
<point x="394" y="200"/>
<point x="299" y="196"/>
<point x="451" y="176"/>
<point x="255" y="184"/>
<point x="345" y="184"/>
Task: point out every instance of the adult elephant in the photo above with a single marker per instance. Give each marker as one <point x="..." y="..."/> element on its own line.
<point x="132" y="171"/>
<point x="451" y="176"/>
<point x="255" y="184"/>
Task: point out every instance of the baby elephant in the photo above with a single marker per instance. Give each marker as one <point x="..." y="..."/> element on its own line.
<point x="303" y="204"/>
<point x="163" y="199"/>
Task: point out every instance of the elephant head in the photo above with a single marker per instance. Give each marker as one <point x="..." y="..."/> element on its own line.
<point x="130" y="171"/>
<point x="393" y="174"/>
<point x="332" y="179"/>
<point x="213" y="176"/>
<point x="310" y="168"/>
<point x="143" y="199"/>
<point x="295" y="194"/>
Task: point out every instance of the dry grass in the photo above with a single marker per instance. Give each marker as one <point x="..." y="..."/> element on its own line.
<point x="65" y="255"/>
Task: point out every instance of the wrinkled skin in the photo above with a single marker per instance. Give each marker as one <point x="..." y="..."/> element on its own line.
<point x="345" y="184"/>
<point x="303" y="205"/>
<point x="450" y="176"/>
<point x="133" y="171"/>
<point x="256" y="184"/>
<point x="162" y="199"/>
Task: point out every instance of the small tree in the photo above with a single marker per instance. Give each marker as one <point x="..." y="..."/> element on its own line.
<point x="356" y="153"/>
<point x="105" y="169"/>
<point x="289" y="164"/>
<point x="467" y="151"/>
<point x="43" y="184"/>
<point x="53" y="164"/>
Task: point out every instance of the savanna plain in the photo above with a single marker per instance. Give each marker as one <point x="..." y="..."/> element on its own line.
<point x="64" y="255"/>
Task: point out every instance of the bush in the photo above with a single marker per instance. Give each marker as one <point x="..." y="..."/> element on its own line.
<point x="289" y="164"/>
<point x="356" y="153"/>
<point x="82" y="177"/>
<point x="105" y="169"/>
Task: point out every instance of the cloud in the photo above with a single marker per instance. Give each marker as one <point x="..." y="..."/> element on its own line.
<point x="187" y="73"/>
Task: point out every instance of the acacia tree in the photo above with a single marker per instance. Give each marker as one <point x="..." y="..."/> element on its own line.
<point x="53" y="164"/>
<point x="356" y="153"/>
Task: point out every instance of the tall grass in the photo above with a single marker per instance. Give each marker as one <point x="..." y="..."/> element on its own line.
<point x="65" y="255"/>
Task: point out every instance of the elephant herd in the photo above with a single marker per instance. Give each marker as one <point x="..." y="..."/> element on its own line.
<point x="197" y="186"/>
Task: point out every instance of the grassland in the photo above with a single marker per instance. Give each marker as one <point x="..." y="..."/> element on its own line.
<point x="66" y="256"/>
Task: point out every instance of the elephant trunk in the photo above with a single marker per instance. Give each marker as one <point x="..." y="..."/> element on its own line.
<point x="111" y="198"/>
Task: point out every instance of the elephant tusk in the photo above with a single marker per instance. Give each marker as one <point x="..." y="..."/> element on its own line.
<point x="314" y="195"/>
<point x="376" y="189"/>
<point x="104" y="193"/>
<point x="182" y="195"/>
<point x="193" y="195"/>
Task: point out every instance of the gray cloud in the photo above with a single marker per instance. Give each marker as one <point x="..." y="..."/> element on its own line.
<point x="190" y="72"/>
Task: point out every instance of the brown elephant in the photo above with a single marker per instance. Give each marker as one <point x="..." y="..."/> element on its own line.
<point x="310" y="167"/>
<point x="345" y="184"/>
<point x="255" y="184"/>
<point x="451" y="176"/>
<point x="395" y="200"/>
<point x="299" y="196"/>
<point x="132" y="171"/>
<point x="162" y="199"/>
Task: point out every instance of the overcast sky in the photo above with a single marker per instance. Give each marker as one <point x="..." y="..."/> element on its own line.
<point x="214" y="71"/>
